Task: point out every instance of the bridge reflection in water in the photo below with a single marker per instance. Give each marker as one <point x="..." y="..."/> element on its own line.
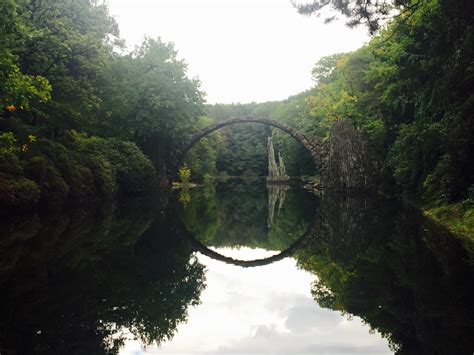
<point x="271" y="217"/>
<point x="383" y="261"/>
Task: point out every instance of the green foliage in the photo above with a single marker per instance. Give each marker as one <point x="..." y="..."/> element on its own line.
<point x="10" y="164"/>
<point x="411" y="96"/>
<point x="323" y="69"/>
<point x="118" y="165"/>
<point x="7" y="142"/>
<point x="81" y="168"/>
<point x="148" y="99"/>
<point x="17" y="88"/>
<point x="18" y="192"/>
<point x="62" y="68"/>
<point x="134" y="172"/>
<point x="238" y="148"/>
<point x="371" y="14"/>
<point x="185" y="175"/>
<point x="54" y="188"/>
<point x="202" y="158"/>
<point x="236" y="213"/>
<point x="459" y="217"/>
<point x="68" y="43"/>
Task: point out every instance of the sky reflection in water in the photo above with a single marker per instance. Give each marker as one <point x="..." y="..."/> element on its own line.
<point x="264" y="310"/>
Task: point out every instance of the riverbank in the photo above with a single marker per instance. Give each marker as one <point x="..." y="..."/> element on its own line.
<point x="457" y="217"/>
<point x="41" y="172"/>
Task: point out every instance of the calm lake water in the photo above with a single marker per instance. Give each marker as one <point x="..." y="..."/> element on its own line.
<point x="236" y="267"/>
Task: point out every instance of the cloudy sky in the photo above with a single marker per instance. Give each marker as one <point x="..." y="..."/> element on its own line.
<point x="241" y="50"/>
<point x="264" y="310"/>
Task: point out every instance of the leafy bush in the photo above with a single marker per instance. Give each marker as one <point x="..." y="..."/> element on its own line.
<point x="10" y="164"/>
<point x="185" y="175"/>
<point x="116" y="166"/>
<point x="7" y="142"/>
<point x="104" y="174"/>
<point x="134" y="172"/>
<point x="54" y="188"/>
<point x="70" y="166"/>
<point x="439" y="184"/>
<point x="18" y="192"/>
<point x="80" y="169"/>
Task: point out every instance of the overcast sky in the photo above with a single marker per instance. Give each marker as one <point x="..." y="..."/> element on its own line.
<point x="241" y="50"/>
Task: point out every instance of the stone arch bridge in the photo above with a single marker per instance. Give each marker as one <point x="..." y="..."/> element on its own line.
<point x="312" y="144"/>
<point x="345" y="161"/>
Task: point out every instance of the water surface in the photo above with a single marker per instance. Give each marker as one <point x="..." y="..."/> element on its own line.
<point x="235" y="267"/>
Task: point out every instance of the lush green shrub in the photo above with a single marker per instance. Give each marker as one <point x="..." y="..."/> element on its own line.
<point x="104" y="174"/>
<point x="54" y="188"/>
<point x="80" y="169"/>
<point x="117" y="166"/>
<point x="184" y="175"/>
<point x="439" y="184"/>
<point x="18" y="192"/>
<point x="10" y="164"/>
<point x="68" y="163"/>
<point x="134" y="171"/>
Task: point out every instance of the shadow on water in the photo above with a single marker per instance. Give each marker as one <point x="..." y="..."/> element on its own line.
<point x="81" y="281"/>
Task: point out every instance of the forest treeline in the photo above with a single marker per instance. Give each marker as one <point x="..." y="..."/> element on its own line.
<point x="410" y="89"/>
<point x="83" y="116"/>
<point x="78" y="111"/>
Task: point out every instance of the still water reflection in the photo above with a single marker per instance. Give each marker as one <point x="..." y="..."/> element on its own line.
<point x="163" y="276"/>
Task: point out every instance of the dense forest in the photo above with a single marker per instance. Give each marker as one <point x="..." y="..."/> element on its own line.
<point x="101" y="244"/>
<point x="82" y="116"/>
<point x="78" y="111"/>
<point x="410" y="90"/>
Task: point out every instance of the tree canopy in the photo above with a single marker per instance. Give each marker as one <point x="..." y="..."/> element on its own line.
<point x="371" y="13"/>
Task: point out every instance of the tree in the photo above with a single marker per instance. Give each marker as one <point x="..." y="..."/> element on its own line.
<point x="372" y="13"/>
<point x="150" y="100"/>
<point x="68" y="43"/>
<point x="17" y="88"/>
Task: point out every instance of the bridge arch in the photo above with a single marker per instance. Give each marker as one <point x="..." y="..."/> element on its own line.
<point x="299" y="243"/>
<point x="313" y="145"/>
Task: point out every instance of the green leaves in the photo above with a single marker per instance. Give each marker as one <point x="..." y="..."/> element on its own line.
<point x="149" y="96"/>
<point x="17" y="89"/>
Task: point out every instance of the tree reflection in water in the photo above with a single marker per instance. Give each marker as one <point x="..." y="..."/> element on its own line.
<point x="78" y="282"/>
<point x="402" y="274"/>
<point x="237" y="212"/>
<point x="378" y="259"/>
